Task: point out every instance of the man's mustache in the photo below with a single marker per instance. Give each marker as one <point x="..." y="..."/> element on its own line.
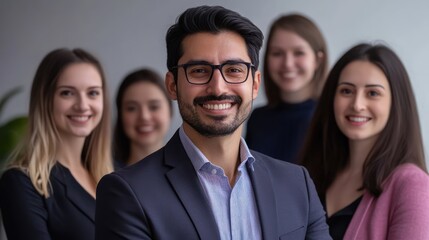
<point x="201" y="100"/>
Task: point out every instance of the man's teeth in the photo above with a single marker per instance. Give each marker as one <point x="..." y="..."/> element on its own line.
<point x="217" y="106"/>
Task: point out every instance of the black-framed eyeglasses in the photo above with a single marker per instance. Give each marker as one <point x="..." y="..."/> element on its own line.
<point x="234" y="72"/>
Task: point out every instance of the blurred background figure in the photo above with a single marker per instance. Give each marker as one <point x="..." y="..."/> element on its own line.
<point x="48" y="190"/>
<point x="144" y="113"/>
<point x="295" y="65"/>
<point x="364" y="149"/>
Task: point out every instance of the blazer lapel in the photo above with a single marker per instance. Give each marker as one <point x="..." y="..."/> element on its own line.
<point x="185" y="182"/>
<point x="82" y="200"/>
<point x="265" y="199"/>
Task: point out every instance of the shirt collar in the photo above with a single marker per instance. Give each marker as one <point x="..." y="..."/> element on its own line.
<point x="198" y="159"/>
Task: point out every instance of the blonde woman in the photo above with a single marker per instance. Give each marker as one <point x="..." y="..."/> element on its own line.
<point x="48" y="192"/>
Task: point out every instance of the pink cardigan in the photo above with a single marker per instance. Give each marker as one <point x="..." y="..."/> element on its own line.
<point x="400" y="212"/>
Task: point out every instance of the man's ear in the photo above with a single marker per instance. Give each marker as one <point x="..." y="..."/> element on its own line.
<point x="256" y="84"/>
<point x="170" y="85"/>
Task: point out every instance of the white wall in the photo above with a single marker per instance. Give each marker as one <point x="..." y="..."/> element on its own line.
<point x="127" y="34"/>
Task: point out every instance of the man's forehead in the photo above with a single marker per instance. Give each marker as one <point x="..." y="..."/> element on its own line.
<point x="214" y="47"/>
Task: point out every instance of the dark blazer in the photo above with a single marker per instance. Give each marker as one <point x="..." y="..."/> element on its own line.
<point x="161" y="198"/>
<point x="67" y="214"/>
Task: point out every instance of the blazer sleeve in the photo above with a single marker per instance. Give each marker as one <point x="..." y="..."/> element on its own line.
<point x="410" y="210"/>
<point x="118" y="212"/>
<point x="317" y="226"/>
<point x="23" y="211"/>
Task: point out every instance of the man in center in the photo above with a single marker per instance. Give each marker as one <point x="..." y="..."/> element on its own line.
<point x="205" y="183"/>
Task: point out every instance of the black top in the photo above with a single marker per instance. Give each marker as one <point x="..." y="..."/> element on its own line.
<point x="279" y="132"/>
<point x="339" y="221"/>
<point x="67" y="214"/>
<point x="118" y="164"/>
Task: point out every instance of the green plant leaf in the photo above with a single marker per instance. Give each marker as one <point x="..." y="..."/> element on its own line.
<point x="10" y="135"/>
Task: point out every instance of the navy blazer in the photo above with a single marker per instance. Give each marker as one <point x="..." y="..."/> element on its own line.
<point x="68" y="213"/>
<point x="161" y="198"/>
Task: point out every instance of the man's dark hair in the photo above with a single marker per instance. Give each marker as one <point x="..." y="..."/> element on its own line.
<point x="212" y="19"/>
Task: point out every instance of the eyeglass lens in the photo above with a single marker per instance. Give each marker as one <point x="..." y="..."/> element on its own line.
<point x="231" y="72"/>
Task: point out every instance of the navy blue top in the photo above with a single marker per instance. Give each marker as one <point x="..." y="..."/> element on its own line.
<point x="67" y="214"/>
<point x="162" y="197"/>
<point x="279" y="132"/>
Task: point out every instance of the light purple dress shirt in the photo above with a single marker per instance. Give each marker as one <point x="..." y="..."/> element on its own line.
<point x="234" y="209"/>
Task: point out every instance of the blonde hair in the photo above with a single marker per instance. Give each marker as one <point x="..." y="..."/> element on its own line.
<point x="35" y="155"/>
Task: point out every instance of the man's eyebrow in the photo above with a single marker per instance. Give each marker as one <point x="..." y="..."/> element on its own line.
<point x="233" y="60"/>
<point x="197" y="62"/>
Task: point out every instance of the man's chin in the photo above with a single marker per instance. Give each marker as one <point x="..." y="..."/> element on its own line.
<point x="218" y="131"/>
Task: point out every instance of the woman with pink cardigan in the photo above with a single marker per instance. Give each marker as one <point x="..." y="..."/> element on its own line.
<point x="364" y="149"/>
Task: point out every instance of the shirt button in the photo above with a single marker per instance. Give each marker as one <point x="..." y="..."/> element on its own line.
<point x="214" y="171"/>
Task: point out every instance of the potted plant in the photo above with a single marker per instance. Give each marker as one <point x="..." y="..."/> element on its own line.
<point x="12" y="130"/>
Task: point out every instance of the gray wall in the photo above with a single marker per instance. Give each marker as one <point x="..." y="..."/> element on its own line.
<point x="127" y="34"/>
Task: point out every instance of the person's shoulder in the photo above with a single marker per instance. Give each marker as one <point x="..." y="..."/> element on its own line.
<point x="408" y="176"/>
<point x="286" y="177"/>
<point x="277" y="165"/>
<point x="14" y="176"/>
<point x="15" y="184"/>
<point x="149" y="166"/>
<point x="271" y="160"/>
<point x="409" y="171"/>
